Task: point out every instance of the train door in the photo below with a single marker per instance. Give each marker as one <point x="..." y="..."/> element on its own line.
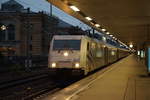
<point x="106" y="55"/>
<point x="88" y="61"/>
<point x="117" y="54"/>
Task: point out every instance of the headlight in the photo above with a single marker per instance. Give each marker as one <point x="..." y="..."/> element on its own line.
<point x="66" y="54"/>
<point x="77" y="65"/>
<point x="53" y="65"/>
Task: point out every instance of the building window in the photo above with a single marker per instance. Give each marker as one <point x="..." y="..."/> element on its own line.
<point x="2" y="35"/>
<point x="11" y="32"/>
<point x="30" y="47"/>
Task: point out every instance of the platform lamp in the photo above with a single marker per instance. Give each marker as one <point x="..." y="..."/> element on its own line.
<point x="131" y="45"/>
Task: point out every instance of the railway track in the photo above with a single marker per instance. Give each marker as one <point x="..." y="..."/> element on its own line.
<point x="19" y="89"/>
<point x="11" y="83"/>
<point x="31" y="87"/>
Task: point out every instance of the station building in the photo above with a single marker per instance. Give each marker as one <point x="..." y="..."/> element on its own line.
<point x="23" y="31"/>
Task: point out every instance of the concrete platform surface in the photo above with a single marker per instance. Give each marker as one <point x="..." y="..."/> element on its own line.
<point x="124" y="80"/>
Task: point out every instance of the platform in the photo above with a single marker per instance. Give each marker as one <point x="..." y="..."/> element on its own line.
<point x="124" y="80"/>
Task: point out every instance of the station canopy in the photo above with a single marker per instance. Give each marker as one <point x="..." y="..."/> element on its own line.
<point x="127" y="20"/>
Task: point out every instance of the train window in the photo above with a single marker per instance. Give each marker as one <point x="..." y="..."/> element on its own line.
<point x="66" y="44"/>
<point x="112" y="52"/>
<point x="99" y="53"/>
<point x="93" y="45"/>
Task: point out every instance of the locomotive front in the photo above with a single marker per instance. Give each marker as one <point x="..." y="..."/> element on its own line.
<point x="64" y="55"/>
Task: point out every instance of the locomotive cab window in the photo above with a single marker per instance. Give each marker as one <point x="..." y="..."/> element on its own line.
<point x="66" y="44"/>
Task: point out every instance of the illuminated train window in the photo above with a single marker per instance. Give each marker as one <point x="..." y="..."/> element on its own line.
<point x="112" y="52"/>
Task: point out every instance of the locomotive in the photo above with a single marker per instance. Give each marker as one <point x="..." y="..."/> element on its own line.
<point x="80" y="54"/>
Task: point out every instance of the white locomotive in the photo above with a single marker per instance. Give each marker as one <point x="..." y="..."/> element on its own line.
<point x="80" y="54"/>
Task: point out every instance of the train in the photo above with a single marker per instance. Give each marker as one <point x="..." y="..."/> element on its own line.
<point x="81" y="54"/>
